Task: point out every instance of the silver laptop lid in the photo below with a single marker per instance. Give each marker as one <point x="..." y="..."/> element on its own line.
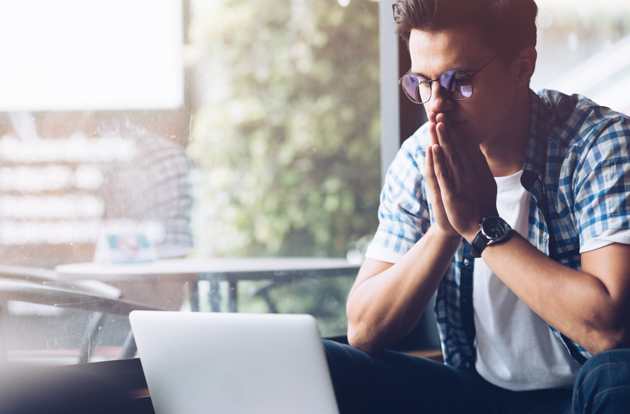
<point x="233" y="363"/>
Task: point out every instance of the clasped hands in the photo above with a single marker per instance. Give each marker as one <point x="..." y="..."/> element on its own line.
<point x="461" y="187"/>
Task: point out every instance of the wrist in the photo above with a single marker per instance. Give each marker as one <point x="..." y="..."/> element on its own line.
<point x="446" y="236"/>
<point x="470" y="235"/>
<point x="473" y="227"/>
<point x="492" y="230"/>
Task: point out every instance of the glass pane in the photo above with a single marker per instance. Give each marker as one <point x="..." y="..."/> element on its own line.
<point x="286" y="138"/>
<point x="197" y="130"/>
<point x="584" y="47"/>
<point x="36" y="333"/>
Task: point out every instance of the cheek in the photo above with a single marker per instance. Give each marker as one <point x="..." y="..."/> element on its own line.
<point x="494" y="105"/>
<point x="483" y="121"/>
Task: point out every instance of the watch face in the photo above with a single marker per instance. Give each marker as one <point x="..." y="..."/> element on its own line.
<point x="495" y="228"/>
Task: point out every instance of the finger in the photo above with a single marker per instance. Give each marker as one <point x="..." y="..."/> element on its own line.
<point x="433" y="187"/>
<point x="449" y="152"/>
<point x="433" y="191"/>
<point x="456" y="136"/>
<point x="467" y="158"/>
<point x="433" y="133"/>
<point x="473" y="162"/>
<point x="457" y="139"/>
<point x="429" y="174"/>
<point x="441" y="170"/>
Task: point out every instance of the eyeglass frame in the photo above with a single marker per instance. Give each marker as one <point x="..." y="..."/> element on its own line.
<point x="470" y="76"/>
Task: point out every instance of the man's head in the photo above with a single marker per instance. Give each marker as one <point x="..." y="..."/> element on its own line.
<point x="491" y="42"/>
<point x="507" y="26"/>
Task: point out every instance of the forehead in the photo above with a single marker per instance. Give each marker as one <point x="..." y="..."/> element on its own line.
<point x="452" y="48"/>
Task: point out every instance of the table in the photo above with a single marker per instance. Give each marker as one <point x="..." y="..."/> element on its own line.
<point x="214" y="270"/>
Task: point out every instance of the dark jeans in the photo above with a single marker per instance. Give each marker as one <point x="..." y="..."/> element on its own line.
<point x="395" y="383"/>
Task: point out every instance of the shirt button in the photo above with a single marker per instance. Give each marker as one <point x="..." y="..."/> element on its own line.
<point x="545" y="239"/>
<point x="466" y="262"/>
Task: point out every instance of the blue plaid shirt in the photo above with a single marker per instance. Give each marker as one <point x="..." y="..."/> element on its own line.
<point x="577" y="170"/>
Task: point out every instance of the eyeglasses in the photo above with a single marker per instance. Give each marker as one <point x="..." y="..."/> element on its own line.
<point x="456" y="84"/>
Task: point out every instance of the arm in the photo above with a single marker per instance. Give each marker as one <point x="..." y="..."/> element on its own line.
<point x="588" y="306"/>
<point x="387" y="301"/>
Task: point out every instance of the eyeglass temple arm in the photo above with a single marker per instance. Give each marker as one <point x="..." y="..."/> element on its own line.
<point x="481" y="68"/>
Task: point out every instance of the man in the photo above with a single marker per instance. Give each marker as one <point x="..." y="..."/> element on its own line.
<point x="515" y="207"/>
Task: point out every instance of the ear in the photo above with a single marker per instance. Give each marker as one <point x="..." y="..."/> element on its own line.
<point x="525" y="64"/>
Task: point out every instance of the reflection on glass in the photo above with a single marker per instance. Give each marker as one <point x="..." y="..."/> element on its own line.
<point x="584" y="47"/>
<point x="276" y="139"/>
<point x="53" y="336"/>
<point x="286" y="140"/>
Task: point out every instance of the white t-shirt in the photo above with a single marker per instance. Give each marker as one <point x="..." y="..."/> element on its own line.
<point x="516" y="350"/>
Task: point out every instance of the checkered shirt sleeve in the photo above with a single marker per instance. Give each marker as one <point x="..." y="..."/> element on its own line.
<point x="403" y="212"/>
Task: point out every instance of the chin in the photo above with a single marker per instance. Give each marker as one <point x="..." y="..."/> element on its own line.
<point x="469" y="131"/>
<point x="476" y="137"/>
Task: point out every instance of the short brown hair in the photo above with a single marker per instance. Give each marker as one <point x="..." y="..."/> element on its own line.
<point x="507" y="26"/>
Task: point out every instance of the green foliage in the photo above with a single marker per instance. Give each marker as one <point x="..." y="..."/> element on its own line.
<point x="287" y="135"/>
<point x="323" y="298"/>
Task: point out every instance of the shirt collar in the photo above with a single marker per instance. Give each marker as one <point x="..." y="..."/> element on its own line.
<point x="535" y="158"/>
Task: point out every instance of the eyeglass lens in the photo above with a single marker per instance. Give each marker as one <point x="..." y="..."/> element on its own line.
<point x="455" y="83"/>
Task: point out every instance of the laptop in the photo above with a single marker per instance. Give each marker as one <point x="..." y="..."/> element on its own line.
<point x="233" y="363"/>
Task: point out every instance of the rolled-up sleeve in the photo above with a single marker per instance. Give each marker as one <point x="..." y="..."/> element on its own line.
<point x="602" y="182"/>
<point x="404" y="214"/>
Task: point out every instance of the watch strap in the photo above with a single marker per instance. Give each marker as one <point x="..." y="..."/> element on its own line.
<point x="479" y="243"/>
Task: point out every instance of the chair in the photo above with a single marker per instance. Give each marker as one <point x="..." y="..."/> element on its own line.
<point x="49" y="277"/>
<point x="40" y="286"/>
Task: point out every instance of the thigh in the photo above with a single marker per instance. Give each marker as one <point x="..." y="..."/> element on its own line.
<point x="603" y="384"/>
<point x="395" y="382"/>
<point x="545" y="401"/>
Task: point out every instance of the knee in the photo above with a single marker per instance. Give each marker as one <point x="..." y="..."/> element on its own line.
<point x="603" y="383"/>
<point x="348" y="365"/>
<point x="333" y="350"/>
<point x="336" y="356"/>
<point x="340" y="357"/>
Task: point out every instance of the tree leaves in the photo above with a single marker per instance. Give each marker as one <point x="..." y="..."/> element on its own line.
<point x="289" y="123"/>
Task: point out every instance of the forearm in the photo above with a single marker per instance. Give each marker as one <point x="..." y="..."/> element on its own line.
<point x="385" y="304"/>
<point x="577" y="303"/>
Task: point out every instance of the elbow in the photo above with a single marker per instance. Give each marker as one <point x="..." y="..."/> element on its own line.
<point x="361" y="339"/>
<point x="609" y="338"/>
<point x="362" y="334"/>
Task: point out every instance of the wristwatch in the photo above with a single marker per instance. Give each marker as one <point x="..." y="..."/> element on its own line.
<point x="492" y="229"/>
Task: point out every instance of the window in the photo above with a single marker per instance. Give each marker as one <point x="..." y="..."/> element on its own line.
<point x="227" y="128"/>
<point x="583" y="47"/>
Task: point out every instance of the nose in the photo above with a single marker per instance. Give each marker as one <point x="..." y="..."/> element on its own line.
<point x="439" y="102"/>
